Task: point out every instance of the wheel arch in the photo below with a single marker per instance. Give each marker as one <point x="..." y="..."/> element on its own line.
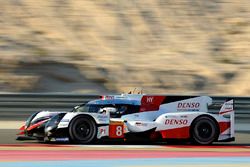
<point x="82" y="115"/>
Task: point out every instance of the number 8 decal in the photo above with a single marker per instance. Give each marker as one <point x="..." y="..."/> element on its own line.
<point x="118" y="131"/>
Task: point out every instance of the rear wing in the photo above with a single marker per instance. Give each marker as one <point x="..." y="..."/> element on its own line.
<point x="228" y="109"/>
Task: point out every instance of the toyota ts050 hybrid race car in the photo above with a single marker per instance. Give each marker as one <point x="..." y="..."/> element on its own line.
<point x="125" y="116"/>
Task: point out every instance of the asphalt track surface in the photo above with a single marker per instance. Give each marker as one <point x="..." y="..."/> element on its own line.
<point x="8" y="136"/>
<point x="31" y="153"/>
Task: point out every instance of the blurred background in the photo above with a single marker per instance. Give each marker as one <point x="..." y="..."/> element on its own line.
<point x="113" y="46"/>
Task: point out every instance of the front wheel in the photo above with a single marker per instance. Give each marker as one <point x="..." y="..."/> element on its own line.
<point x="82" y="130"/>
<point x="204" y="130"/>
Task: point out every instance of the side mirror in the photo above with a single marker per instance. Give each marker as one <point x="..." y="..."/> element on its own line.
<point x="76" y="107"/>
<point x="108" y="110"/>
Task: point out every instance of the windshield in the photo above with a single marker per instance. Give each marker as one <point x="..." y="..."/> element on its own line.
<point x="91" y="108"/>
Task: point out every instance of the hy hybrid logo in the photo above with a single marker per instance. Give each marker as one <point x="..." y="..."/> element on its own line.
<point x="150" y="99"/>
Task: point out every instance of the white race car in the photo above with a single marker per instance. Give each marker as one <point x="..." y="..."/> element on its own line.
<point x="135" y="116"/>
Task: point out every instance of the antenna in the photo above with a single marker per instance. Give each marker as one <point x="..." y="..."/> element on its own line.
<point x="134" y="90"/>
<point x="140" y="92"/>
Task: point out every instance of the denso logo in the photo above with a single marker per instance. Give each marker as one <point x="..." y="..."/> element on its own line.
<point x="188" y="105"/>
<point x="176" y="122"/>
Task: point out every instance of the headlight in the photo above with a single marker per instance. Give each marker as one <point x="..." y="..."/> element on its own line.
<point x="53" y="122"/>
<point x="27" y="124"/>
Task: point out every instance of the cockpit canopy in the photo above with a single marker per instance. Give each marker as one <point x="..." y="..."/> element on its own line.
<point x="123" y="107"/>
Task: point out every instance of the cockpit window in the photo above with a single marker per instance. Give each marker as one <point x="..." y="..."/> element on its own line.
<point x="122" y="109"/>
<point x="88" y="108"/>
<point x="91" y="108"/>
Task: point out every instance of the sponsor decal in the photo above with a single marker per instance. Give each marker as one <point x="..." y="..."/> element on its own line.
<point x="151" y="103"/>
<point x="116" y="130"/>
<point x="228" y="106"/>
<point x="176" y="122"/>
<point x="188" y="106"/>
<point x="141" y="124"/>
<point x="150" y="99"/>
<point x="103" y="131"/>
<point x="108" y="97"/>
<point x="102" y="116"/>
<point x="63" y="139"/>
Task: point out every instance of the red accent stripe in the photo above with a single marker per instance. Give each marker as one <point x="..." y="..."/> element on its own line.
<point x="226" y="111"/>
<point x="22" y="127"/>
<point x="177" y="133"/>
<point x="224" y="126"/>
<point x="36" y="125"/>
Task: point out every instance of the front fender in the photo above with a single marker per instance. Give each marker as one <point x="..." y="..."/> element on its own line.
<point x="98" y="117"/>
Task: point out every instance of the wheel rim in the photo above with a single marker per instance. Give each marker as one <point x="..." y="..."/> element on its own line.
<point x="205" y="130"/>
<point x="83" y="130"/>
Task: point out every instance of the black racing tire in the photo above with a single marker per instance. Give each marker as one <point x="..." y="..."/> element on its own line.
<point x="83" y="130"/>
<point x="204" y="130"/>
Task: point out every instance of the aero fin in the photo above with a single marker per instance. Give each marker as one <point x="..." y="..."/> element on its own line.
<point x="22" y="128"/>
<point x="36" y="125"/>
<point x="227" y="107"/>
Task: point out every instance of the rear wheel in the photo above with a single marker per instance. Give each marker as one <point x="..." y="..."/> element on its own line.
<point x="82" y="130"/>
<point x="204" y="130"/>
